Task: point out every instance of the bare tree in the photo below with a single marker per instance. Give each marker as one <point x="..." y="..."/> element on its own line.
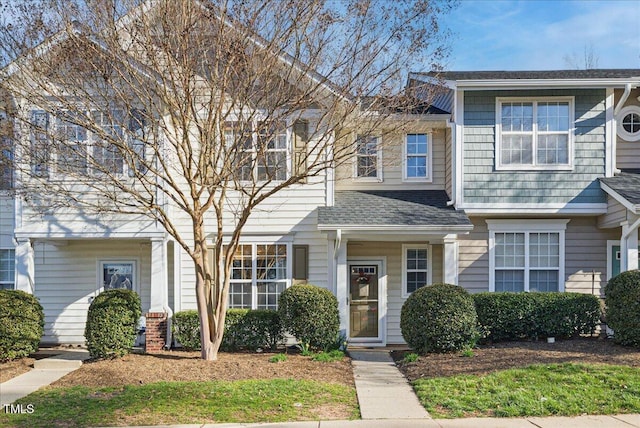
<point x="587" y="61"/>
<point x="176" y="110"/>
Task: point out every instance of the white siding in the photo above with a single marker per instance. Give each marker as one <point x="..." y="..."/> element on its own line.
<point x="66" y="278"/>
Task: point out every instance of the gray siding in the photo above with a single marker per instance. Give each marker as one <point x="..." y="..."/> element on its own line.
<point x="483" y="184"/>
<point x="628" y="152"/>
<point x="616" y="213"/>
<point x="473" y="257"/>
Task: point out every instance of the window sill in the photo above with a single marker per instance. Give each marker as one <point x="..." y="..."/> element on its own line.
<point x="534" y="168"/>
<point x="368" y="179"/>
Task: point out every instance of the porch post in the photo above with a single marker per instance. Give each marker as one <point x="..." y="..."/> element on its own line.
<point x="629" y="246"/>
<point x="342" y="282"/>
<point x="25" y="266"/>
<point x="158" y="318"/>
<point x="450" y="260"/>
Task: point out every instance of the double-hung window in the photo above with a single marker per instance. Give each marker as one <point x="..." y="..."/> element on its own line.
<point x="7" y="269"/>
<point x="6" y="152"/>
<point x="260" y="154"/>
<point x="417" y="162"/>
<point x="104" y="152"/>
<point x="368" y="159"/>
<point x="259" y="273"/>
<point x="416" y="268"/>
<point x="534" y="133"/>
<point x="526" y="255"/>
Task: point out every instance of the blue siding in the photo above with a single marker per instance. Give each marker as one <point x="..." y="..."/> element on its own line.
<point x="483" y="184"/>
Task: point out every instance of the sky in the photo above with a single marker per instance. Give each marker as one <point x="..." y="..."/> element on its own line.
<point x="541" y="34"/>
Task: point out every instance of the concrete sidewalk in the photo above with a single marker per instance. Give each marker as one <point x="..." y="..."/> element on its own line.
<point x="45" y="371"/>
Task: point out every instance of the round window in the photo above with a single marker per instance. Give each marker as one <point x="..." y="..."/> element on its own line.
<point x="629" y="123"/>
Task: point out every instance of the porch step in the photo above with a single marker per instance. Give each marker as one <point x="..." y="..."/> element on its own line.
<point x="66" y="359"/>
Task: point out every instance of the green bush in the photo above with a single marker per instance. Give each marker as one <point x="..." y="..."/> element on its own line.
<point x="112" y="323"/>
<point x="517" y="316"/>
<point x="186" y="329"/>
<point x="21" y="324"/>
<point x="243" y="329"/>
<point x="439" y="318"/>
<point x="251" y="329"/>
<point x="310" y="314"/>
<point x="622" y="300"/>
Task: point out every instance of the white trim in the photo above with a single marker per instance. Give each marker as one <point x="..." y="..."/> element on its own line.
<point x="535" y="166"/>
<point x="177" y="277"/>
<point x="416" y="246"/>
<point x="484" y="84"/>
<point x="534" y="208"/>
<point x="620" y="199"/>
<point x="623" y="133"/>
<point x="429" y="159"/>
<point x="381" y="262"/>
<point x="610" y="135"/>
<point x="610" y="244"/>
<point x="527" y="226"/>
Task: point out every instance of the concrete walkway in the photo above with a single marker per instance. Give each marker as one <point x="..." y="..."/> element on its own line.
<point x="379" y="383"/>
<point x="44" y="372"/>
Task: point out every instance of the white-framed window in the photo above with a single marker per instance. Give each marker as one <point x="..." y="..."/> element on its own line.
<point x="416" y="267"/>
<point x="114" y="274"/>
<point x="368" y="159"/>
<point x="417" y="157"/>
<point x="526" y="255"/>
<point x="260" y="150"/>
<point x="7" y="269"/>
<point x="629" y="123"/>
<point x="6" y="152"/>
<point x="259" y="273"/>
<point x="60" y="145"/>
<point x="534" y="133"/>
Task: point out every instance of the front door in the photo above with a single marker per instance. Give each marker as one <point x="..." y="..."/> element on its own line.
<point x="364" y="302"/>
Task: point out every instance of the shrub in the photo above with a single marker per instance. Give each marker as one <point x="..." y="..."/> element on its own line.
<point x="243" y="329"/>
<point x="310" y="314"/>
<point x="186" y="329"/>
<point x="21" y="324"/>
<point x="251" y="329"/>
<point x="278" y="358"/>
<point x="516" y="316"/>
<point x="112" y="322"/>
<point x="439" y="318"/>
<point x="622" y="300"/>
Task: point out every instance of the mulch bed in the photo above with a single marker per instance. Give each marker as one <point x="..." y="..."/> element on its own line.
<point x="11" y="369"/>
<point x="501" y="356"/>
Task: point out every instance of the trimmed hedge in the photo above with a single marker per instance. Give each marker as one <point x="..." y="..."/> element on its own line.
<point x="21" y="324"/>
<point x="516" y="316"/>
<point x="439" y="318"/>
<point x="243" y="329"/>
<point x="622" y="300"/>
<point x="310" y="313"/>
<point x="112" y="323"/>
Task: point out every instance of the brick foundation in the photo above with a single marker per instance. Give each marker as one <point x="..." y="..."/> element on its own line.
<point x="156" y="331"/>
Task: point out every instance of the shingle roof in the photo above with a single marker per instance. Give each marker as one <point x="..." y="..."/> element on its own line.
<point x="535" y="74"/>
<point x="626" y="184"/>
<point x="392" y="208"/>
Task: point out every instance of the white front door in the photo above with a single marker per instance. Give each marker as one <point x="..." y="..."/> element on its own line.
<point x="366" y="301"/>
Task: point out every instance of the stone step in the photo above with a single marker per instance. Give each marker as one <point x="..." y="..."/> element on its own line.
<point x="64" y="360"/>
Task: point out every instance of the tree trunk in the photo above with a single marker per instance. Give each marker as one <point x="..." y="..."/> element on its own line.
<point x="210" y="336"/>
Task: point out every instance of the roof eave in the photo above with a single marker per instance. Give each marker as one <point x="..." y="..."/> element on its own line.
<point x="542" y="83"/>
<point x="444" y="229"/>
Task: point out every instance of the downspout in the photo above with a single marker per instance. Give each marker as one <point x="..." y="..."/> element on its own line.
<point x="623" y="99"/>
<point x="169" y="312"/>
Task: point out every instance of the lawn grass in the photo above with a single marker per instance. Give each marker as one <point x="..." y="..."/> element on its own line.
<point x="273" y="400"/>
<point x="539" y="390"/>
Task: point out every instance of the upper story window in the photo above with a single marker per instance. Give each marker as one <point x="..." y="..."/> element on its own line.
<point x="368" y="161"/>
<point x="259" y="153"/>
<point x="526" y="255"/>
<point x="61" y="145"/>
<point x="6" y="152"/>
<point x="417" y="162"/>
<point x="629" y="123"/>
<point x="7" y="269"/>
<point x="534" y="134"/>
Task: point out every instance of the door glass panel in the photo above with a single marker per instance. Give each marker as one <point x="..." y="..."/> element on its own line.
<point x="363" y="295"/>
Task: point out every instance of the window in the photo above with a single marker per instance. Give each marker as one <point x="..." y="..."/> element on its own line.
<point x="526" y="257"/>
<point x="629" y="123"/>
<point x="260" y="154"/>
<point x="534" y="134"/>
<point x="7" y="269"/>
<point x="118" y="274"/>
<point x="259" y="273"/>
<point x="6" y="152"/>
<point x="417" y="161"/>
<point x="104" y="153"/>
<point x="416" y="268"/>
<point x="368" y="158"/>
